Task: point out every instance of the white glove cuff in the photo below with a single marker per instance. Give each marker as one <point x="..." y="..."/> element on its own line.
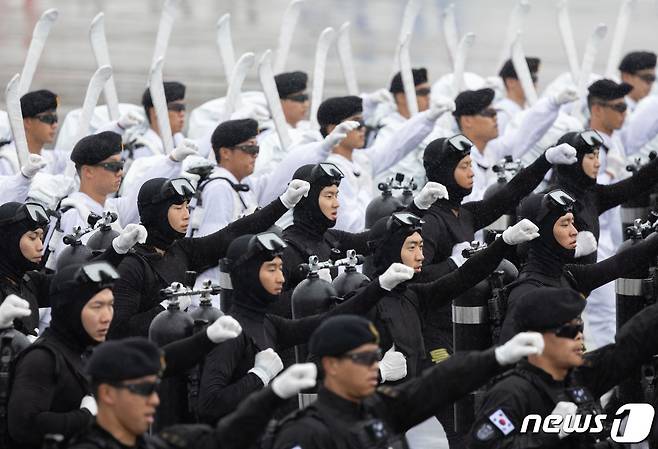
<point x="262" y="375"/>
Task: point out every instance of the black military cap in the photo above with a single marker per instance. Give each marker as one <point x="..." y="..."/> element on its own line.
<point x="470" y="102"/>
<point x="233" y="132"/>
<point x="547" y="308"/>
<point x="340" y="334"/>
<point x="290" y="82"/>
<point x="92" y="149"/>
<point x="126" y="359"/>
<point x="606" y="89"/>
<point x="33" y="103"/>
<point x="420" y="77"/>
<point x="173" y="90"/>
<point x="332" y="111"/>
<point x="637" y="60"/>
<point x="507" y="71"/>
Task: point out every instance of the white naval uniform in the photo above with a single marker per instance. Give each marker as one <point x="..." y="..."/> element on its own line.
<point x="56" y="160"/>
<point x="14" y="188"/>
<point x="507" y="110"/>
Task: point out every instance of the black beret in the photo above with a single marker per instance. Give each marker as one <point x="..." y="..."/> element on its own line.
<point x="507" y="71"/>
<point x="420" y="77"/>
<point x="606" y="89"/>
<point x="173" y="91"/>
<point x="290" y="82"/>
<point x="547" y="308"/>
<point x="233" y="132"/>
<point x="33" y="103"/>
<point x="637" y="60"/>
<point x="340" y="334"/>
<point x="126" y="359"/>
<point x="470" y="102"/>
<point x="334" y="110"/>
<point x="92" y="149"/>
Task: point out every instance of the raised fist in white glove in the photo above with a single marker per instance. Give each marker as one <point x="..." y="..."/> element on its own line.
<point x="566" y="95"/>
<point x="11" y="308"/>
<point x="224" y="328"/>
<point x="561" y="154"/>
<point x="339" y="133"/>
<point x="439" y="106"/>
<point x="34" y="163"/>
<point x="457" y="250"/>
<point x="129" y="119"/>
<point x="88" y="402"/>
<point x="298" y="377"/>
<point x="585" y="244"/>
<point x="519" y="346"/>
<point x="393" y="366"/>
<point x="295" y="191"/>
<point x="394" y="275"/>
<point x="495" y="83"/>
<point x="185" y="149"/>
<point x="131" y="234"/>
<point x="564" y="409"/>
<point x="267" y="365"/>
<point x="431" y="192"/>
<point x="372" y="99"/>
<point x="523" y="231"/>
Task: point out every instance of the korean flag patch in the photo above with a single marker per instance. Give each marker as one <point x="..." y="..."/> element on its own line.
<point x="500" y="420"/>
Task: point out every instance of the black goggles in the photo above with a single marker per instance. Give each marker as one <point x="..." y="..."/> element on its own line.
<point x="267" y="243"/>
<point x="49" y="118"/>
<point x="145" y="389"/>
<point x="33" y="212"/>
<point x="647" y="77"/>
<point x="298" y="98"/>
<point x="569" y="330"/>
<point x="114" y="166"/>
<point x="400" y="220"/>
<point x="326" y="170"/>
<point x="423" y="92"/>
<point x="591" y="138"/>
<point x="176" y="107"/>
<point x="252" y="149"/>
<point x="460" y="144"/>
<point x="179" y="188"/>
<point x="367" y="358"/>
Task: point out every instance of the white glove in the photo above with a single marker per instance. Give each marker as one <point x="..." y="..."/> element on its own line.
<point x="431" y="192"/>
<point x="564" y="409"/>
<point x="519" y="346"/>
<point x="129" y="119"/>
<point x="523" y="231"/>
<point x="267" y="365"/>
<point x="295" y="191"/>
<point x="89" y="403"/>
<point x="561" y="154"/>
<point x="338" y="134"/>
<point x="34" y="163"/>
<point x="13" y="307"/>
<point x="457" y="250"/>
<point x="373" y="99"/>
<point x="253" y="111"/>
<point x="393" y="365"/>
<point x="298" y="377"/>
<point x="131" y="234"/>
<point x="224" y="328"/>
<point x="585" y="244"/>
<point x="186" y="148"/>
<point x="394" y="275"/>
<point x="566" y="95"/>
<point x="495" y="83"/>
<point x="439" y="106"/>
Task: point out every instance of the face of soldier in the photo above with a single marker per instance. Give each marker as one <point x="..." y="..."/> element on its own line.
<point x="349" y="379"/>
<point x="271" y="276"/>
<point x="356" y="138"/>
<point x="178" y="216"/>
<point x="176" y="110"/>
<point x="97" y="314"/>
<point x="132" y="413"/>
<point x="565" y="232"/>
<point x="411" y="253"/>
<point x="40" y="132"/>
<point x="563" y="353"/>
<point x="102" y="180"/>
<point x="328" y="202"/>
<point x="591" y="164"/>
<point x="240" y="163"/>
<point x="31" y="245"/>
<point x="609" y="117"/>
<point x="642" y="82"/>
<point x="294" y="111"/>
<point x="464" y="173"/>
<point x="482" y="126"/>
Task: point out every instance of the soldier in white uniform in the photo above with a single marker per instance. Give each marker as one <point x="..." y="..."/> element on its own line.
<point x="638" y="69"/>
<point x="16" y="187"/>
<point x="514" y="100"/>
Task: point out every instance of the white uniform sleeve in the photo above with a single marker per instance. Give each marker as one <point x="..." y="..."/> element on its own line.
<point x="350" y="216"/>
<point x="386" y="152"/>
<point x="218" y="206"/>
<point x="111" y="126"/>
<point x="14" y="188"/>
<point x="6" y="169"/>
<point x="642" y="126"/>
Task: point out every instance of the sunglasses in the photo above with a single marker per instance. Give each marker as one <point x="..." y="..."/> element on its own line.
<point x="367" y="358"/>
<point x="423" y="92"/>
<point x="298" y="98"/>
<point x="569" y="330"/>
<point x="48" y="119"/>
<point x="114" y="167"/>
<point x="31" y="211"/>
<point x="251" y="149"/>
<point x="145" y="389"/>
<point x="618" y="107"/>
<point x="592" y="138"/>
<point x="649" y="78"/>
<point x="488" y="112"/>
<point x="176" y="107"/>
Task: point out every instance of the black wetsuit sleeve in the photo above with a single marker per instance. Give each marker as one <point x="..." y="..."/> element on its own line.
<point x="110" y="256"/>
<point x="609" y="196"/>
<point x="184" y="354"/>
<point x="29" y="410"/>
<point x="349" y="240"/>
<point x="507" y="198"/>
<point x="590" y="277"/>
<point x="205" y="252"/>
<point x="436" y="244"/>
<point x="41" y="283"/>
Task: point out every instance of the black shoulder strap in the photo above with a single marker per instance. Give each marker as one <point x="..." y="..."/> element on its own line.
<point x="236" y="187"/>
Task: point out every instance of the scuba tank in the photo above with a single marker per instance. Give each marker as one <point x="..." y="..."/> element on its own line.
<point x="502" y="169"/>
<point x="407" y="190"/>
<point x="102" y="237"/>
<point x="350" y="279"/>
<point x="637" y="207"/>
<point x="75" y="251"/>
<point x="385" y="204"/>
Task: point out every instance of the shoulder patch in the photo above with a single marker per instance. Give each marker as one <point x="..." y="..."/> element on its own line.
<point x="485" y="432"/>
<point x="388" y="391"/>
<point x="500" y="420"/>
